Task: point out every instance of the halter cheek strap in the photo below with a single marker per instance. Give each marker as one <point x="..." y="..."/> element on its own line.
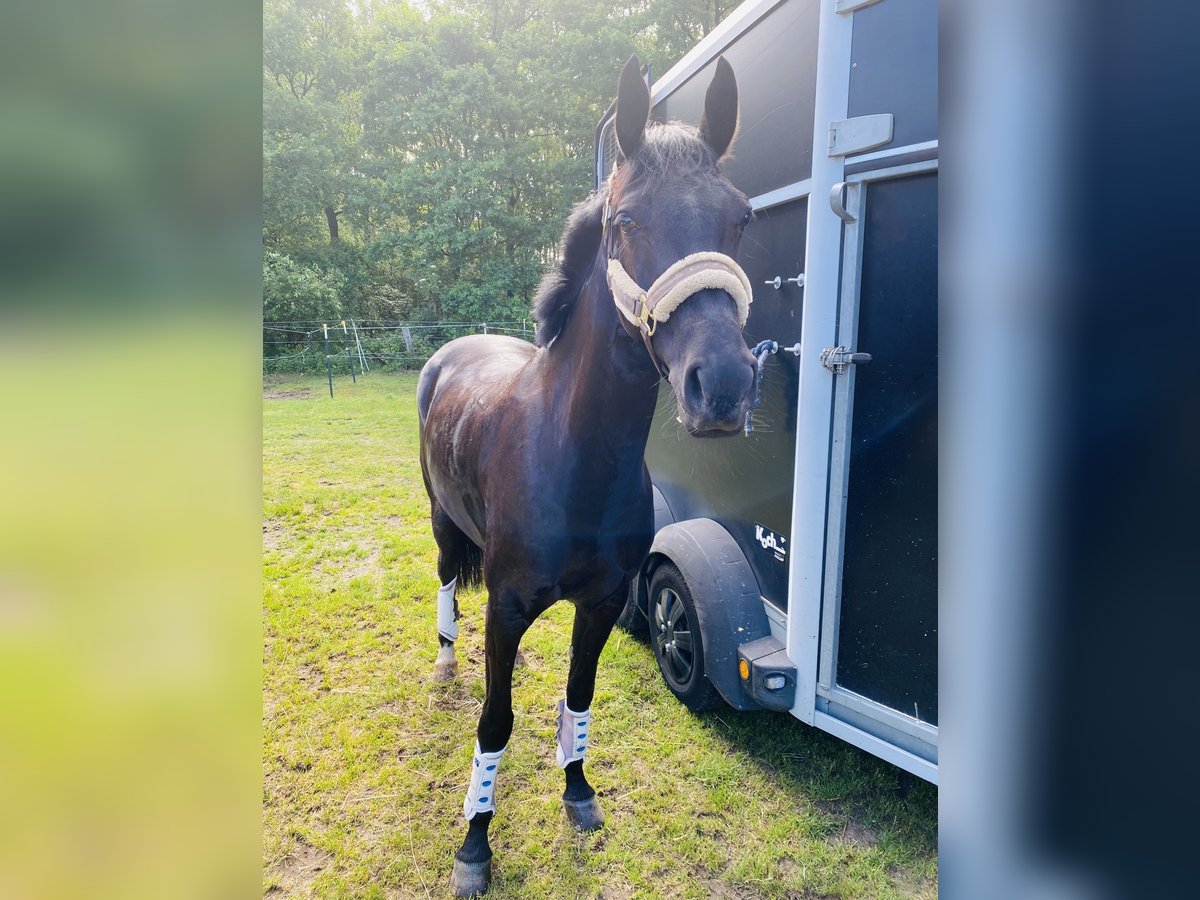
<point x="644" y="309"/>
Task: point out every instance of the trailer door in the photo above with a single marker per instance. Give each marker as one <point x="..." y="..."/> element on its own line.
<point x="864" y="599"/>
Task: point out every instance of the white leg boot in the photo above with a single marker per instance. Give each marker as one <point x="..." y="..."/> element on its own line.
<point x="481" y="795"/>
<point x="446" y="666"/>
<point x="572" y="734"/>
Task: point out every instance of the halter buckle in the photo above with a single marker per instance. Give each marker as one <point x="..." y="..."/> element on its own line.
<point x="645" y="318"/>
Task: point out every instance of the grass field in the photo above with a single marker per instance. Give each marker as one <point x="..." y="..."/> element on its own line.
<point x="366" y="759"/>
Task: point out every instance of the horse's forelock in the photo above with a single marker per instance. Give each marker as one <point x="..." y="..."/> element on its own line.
<point x="673" y="148"/>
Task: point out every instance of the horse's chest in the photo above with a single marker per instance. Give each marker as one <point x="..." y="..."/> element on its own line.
<point x="584" y="549"/>
<point x="595" y="568"/>
<point x="609" y="536"/>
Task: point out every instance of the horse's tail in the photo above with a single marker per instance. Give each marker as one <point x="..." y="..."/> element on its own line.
<point x="458" y="556"/>
<point x="470" y="564"/>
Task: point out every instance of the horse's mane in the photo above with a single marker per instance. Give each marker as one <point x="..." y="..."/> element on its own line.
<point x="560" y="287"/>
<point x="666" y="147"/>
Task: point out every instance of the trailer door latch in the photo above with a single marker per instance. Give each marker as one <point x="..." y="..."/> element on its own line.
<point x="835" y="359"/>
<point x="859" y="134"/>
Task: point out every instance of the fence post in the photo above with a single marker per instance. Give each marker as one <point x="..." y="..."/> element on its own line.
<point x="362" y="357"/>
<point x="346" y="344"/>
<point x="328" y="364"/>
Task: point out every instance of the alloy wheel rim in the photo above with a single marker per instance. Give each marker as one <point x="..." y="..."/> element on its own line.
<point x="673" y="638"/>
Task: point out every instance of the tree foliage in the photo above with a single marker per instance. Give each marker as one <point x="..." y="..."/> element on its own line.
<point x="419" y="161"/>
<point x="294" y="292"/>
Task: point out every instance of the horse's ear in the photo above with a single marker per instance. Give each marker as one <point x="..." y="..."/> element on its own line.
<point x="720" y="120"/>
<point x="633" y="107"/>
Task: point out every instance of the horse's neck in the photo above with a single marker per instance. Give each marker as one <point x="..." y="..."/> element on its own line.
<point x="607" y="385"/>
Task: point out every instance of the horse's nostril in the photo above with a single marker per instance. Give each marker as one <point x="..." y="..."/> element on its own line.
<point x="693" y="389"/>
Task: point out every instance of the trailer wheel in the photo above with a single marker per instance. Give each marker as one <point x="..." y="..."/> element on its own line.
<point x="675" y="636"/>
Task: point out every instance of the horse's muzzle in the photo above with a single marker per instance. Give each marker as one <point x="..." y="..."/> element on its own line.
<point x="716" y="394"/>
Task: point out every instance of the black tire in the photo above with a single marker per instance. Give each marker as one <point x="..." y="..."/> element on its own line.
<point x="675" y="637"/>
<point x="632" y="619"/>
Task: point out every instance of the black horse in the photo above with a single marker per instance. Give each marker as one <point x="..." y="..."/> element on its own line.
<point x="533" y="455"/>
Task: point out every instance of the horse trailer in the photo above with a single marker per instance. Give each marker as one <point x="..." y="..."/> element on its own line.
<point x="795" y="569"/>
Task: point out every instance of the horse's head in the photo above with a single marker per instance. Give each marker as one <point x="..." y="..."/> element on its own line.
<point x="672" y="224"/>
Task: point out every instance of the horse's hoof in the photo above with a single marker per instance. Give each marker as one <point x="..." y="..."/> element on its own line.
<point x="584" y="815"/>
<point x="470" y="879"/>
<point x="445" y="671"/>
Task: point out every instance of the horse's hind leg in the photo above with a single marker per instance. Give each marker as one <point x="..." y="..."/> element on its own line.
<point x="593" y="624"/>
<point x="506" y="623"/>
<point x="454" y="551"/>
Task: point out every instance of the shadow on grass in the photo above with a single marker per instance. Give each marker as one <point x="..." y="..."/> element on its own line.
<point x="878" y="802"/>
<point x="873" y="801"/>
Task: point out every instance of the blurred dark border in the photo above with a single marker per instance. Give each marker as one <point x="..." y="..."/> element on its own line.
<point x="1070" y="480"/>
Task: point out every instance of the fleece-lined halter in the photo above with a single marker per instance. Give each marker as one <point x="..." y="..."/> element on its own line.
<point x="644" y="309"/>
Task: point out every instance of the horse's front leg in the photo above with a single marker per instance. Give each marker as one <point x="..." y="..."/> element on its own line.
<point x="506" y="623"/>
<point x="593" y="624"/>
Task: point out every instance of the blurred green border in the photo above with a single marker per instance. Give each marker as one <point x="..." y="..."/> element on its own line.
<point x="130" y="476"/>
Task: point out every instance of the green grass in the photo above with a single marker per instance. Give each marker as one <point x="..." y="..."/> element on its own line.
<point x="366" y="759"/>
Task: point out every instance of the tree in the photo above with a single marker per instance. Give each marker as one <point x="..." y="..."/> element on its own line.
<point x="310" y="121"/>
<point x="293" y="292"/>
<point x="429" y="157"/>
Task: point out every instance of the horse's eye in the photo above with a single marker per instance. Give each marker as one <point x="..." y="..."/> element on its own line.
<point x="747" y="217"/>
<point x="625" y="221"/>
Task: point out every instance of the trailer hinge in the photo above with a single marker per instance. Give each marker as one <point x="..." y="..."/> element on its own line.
<point x="835" y="359"/>
<point x="861" y="133"/>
